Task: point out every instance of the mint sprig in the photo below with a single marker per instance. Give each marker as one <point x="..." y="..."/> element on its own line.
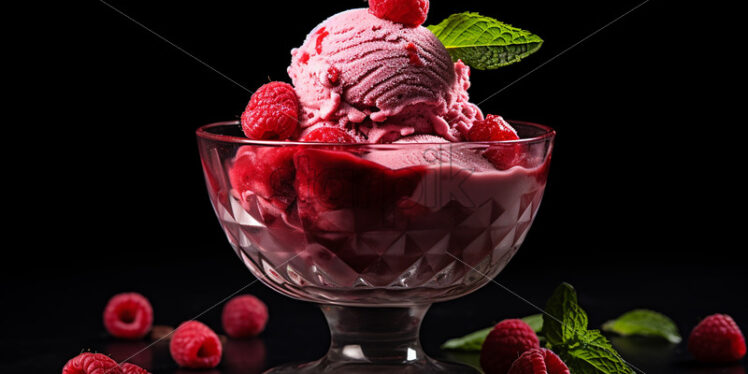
<point x="584" y="351"/>
<point x="470" y="343"/>
<point x="644" y="323"/>
<point x="592" y="353"/>
<point x="484" y="43"/>
<point x="564" y="317"/>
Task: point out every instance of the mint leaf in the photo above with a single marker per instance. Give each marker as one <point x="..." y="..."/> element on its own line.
<point x="535" y="321"/>
<point x="593" y="354"/>
<point x="564" y="318"/>
<point x="645" y="323"/>
<point x="474" y="341"/>
<point x="483" y="42"/>
<point x="470" y="342"/>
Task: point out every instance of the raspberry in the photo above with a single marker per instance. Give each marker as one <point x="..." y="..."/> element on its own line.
<point x="91" y="363"/>
<point x="495" y="129"/>
<point x="128" y="368"/>
<point x="492" y="129"/>
<point x="128" y="316"/>
<point x="195" y="346"/>
<point x="505" y="343"/>
<point x="244" y="316"/>
<point x="411" y="13"/>
<point x="717" y="339"/>
<point x="267" y="171"/>
<point x="538" y="361"/>
<point x="272" y="113"/>
<point x="328" y="134"/>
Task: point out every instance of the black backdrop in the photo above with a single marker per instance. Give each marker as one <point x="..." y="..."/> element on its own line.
<point x="645" y="180"/>
<point x="645" y="168"/>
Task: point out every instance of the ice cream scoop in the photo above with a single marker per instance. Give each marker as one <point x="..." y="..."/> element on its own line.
<point x="380" y="80"/>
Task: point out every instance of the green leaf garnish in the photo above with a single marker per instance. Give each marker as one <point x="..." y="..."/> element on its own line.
<point x="593" y="354"/>
<point x="535" y="321"/>
<point x="471" y="342"/>
<point x="484" y="43"/>
<point x="584" y="351"/>
<point x="474" y="341"/>
<point x="564" y="317"/>
<point x="645" y="323"/>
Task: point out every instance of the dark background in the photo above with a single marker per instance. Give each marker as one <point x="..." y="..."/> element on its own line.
<point x="643" y="208"/>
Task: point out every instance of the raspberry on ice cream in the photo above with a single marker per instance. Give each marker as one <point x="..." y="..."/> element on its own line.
<point x="492" y="129"/>
<point x="411" y="13"/>
<point x="496" y="129"/>
<point x="195" y="346"/>
<point x="328" y="134"/>
<point x="717" y="339"/>
<point x="539" y="361"/>
<point x="505" y="343"/>
<point x="91" y="363"/>
<point x="244" y="316"/>
<point x="128" y="316"/>
<point x="272" y="113"/>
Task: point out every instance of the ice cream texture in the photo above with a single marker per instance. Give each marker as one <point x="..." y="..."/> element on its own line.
<point x="380" y="81"/>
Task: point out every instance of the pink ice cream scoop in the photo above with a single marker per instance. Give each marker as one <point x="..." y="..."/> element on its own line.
<point x="380" y="80"/>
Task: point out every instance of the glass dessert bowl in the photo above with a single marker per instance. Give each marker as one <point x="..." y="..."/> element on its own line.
<point x="375" y="233"/>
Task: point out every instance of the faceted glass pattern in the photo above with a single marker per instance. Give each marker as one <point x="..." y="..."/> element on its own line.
<point x="430" y="231"/>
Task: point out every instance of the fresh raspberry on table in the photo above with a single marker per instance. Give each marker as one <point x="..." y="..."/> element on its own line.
<point x="717" y="339"/>
<point x="272" y="113"/>
<point x="195" y="346"/>
<point x="496" y="129"/>
<point x="128" y="368"/>
<point x="244" y="316"/>
<point x="539" y="361"/>
<point x="411" y="13"/>
<point x="505" y="343"/>
<point x="268" y="172"/>
<point x="328" y="134"/>
<point x="128" y="316"/>
<point x="91" y="363"/>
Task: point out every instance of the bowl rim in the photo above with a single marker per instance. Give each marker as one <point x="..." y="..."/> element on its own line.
<point x="204" y="133"/>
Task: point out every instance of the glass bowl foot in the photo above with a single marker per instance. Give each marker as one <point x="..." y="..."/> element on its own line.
<point x="374" y="340"/>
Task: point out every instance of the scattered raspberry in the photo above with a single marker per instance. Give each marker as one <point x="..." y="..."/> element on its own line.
<point x="496" y="129"/>
<point x="410" y="13"/>
<point x="539" y="361"/>
<point x="328" y="134"/>
<point x="244" y="316"/>
<point x="415" y="60"/>
<point x="128" y="316"/>
<point x="717" y="339"/>
<point x="505" y="343"/>
<point x="91" y="363"/>
<point x="195" y="346"/>
<point x="272" y="113"/>
<point x="128" y="368"/>
<point x="267" y="171"/>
